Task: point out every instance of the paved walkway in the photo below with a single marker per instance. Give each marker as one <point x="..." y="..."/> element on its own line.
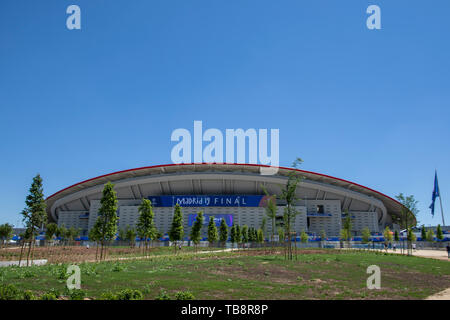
<point x="434" y="254"/>
<point x="23" y="263"/>
<point x="443" y="295"/>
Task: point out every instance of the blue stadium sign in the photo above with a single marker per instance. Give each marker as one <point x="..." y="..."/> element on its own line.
<point x="209" y="200"/>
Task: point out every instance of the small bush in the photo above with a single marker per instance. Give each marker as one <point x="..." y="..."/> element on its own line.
<point x="184" y="295"/>
<point x="9" y="292"/>
<point x="162" y="296"/>
<point x="77" y="294"/>
<point x="108" y="295"/>
<point x="28" y="295"/>
<point x="49" y="296"/>
<point x="129" y="294"/>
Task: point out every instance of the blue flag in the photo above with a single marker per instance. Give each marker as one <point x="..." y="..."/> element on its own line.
<point x="435" y="193"/>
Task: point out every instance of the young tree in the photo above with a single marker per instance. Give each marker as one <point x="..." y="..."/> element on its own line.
<point x="430" y="235"/>
<point x="176" y="232"/>
<point x="61" y="233"/>
<point x="238" y="235"/>
<point x="196" y="231"/>
<point x="130" y="235"/>
<point x="260" y="236"/>
<point x="387" y="234"/>
<point x="303" y="237"/>
<point x="347" y="228"/>
<point x="94" y="235"/>
<point x="106" y="223"/>
<point x="423" y="233"/>
<point x="396" y="236"/>
<point x="271" y="211"/>
<point x="365" y="235"/>
<point x="289" y="195"/>
<point x="233" y="237"/>
<point x="212" y="231"/>
<point x="281" y="235"/>
<point x="146" y="225"/>
<point x="252" y="235"/>
<point x="34" y="214"/>
<point x="122" y="234"/>
<point x="244" y="234"/>
<point x="439" y="233"/>
<point x="408" y="215"/>
<point x="6" y="232"/>
<point x="223" y="232"/>
<point x="323" y="237"/>
<point x="50" y="231"/>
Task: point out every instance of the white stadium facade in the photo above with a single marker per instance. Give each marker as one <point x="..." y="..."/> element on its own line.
<point x="230" y="191"/>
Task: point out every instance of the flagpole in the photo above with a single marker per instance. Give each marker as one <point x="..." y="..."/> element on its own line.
<point x="442" y="210"/>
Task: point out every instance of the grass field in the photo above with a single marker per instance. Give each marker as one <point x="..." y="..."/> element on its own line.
<point x="249" y="274"/>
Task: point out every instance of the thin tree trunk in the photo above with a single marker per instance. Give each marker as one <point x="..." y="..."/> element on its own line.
<point x="21" y="252"/>
<point x="28" y="254"/>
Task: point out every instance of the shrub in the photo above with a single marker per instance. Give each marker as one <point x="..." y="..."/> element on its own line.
<point x="162" y="296"/>
<point x="77" y="294"/>
<point x="184" y="295"/>
<point x="49" y="296"/>
<point x="108" y="295"/>
<point x="28" y="295"/>
<point x="129" y="294"/>
<point x="9" y="292"/>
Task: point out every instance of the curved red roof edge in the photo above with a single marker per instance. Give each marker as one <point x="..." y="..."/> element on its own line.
<point x="234" y="164"/>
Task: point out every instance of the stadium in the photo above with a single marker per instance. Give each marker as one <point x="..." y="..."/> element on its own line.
<point x="234" y="192"/>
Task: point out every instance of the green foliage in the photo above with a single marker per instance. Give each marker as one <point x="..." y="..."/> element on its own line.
<point x="244" y="234"/>
<point x="281" y="235"/>
<point x="396" y="236"/>
<point x="212" y="231"/>
<point x="223" y="231"/>
<point x="387" y="234"/>
<point x="9" y="292"/>
<point x="176" y="230"/>
<point x="184" y="295"/>
<point x="196" y="231"/>
<point x="28" y="295"/>
<point x="410" y="235"/>
<point x="108" y="295"/>
<point x="271" y="209"/>
<point x="6" y="232"/>
<point x="35" y="215"/>
<point x="162" y="295"/>
<point x="106" y="224"/>
<point x="50" y="231"/>
<point x="146" y="225"/>
<point x="430" y="235"/>
<point x="423" y="233"/>
<point x="129" y="294"/>
<point x="303" y="237"/>
<point x="73" y="233"/>
<point x="77" y="294"/>
<point x="260" y="236"/>
<point x="365" y="235"/>
<point x="439" y="233"/>
<point x="49" y="296"/>
<point x="238" y="234"/>
<point x="323" y="235"/>
<point x="409" y="210"/>
<point x="233" y="237"/>
<point x="130" y="234"/>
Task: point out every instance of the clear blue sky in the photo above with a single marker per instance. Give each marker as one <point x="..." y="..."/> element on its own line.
<point x="368" y="106"/>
